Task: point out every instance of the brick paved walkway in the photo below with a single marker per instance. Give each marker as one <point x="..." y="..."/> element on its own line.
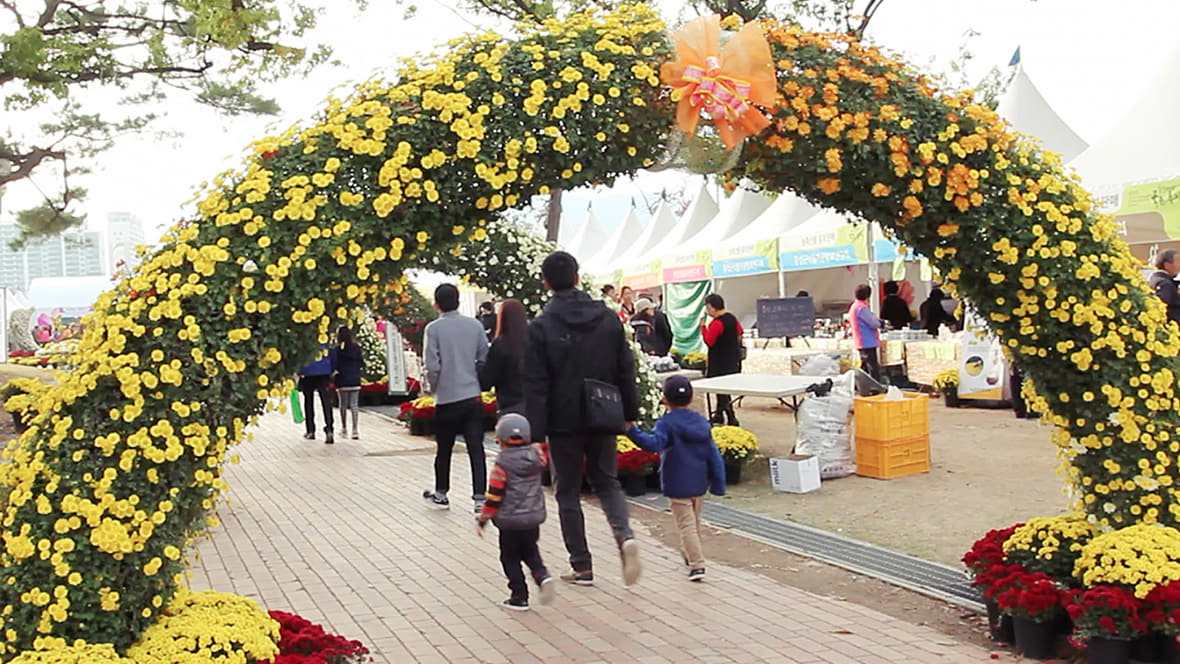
<point x="340" y="535"/>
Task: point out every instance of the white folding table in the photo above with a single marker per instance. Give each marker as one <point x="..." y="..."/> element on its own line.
<point x="771" y="386"/>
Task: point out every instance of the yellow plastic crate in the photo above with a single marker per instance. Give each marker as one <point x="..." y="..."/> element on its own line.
<point x="878" y="419"/>
<point x="887" y="459"/>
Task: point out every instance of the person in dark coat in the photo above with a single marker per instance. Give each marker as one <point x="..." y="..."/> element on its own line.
<point x="487" y="318"/>
<point x="315" y="378"/>
<point x="347" y="362"/>
<point x="933" y="315"/>
<point x="576" y="339"/>
<point x="504" y="368"/>
<point x="895" y="310"/>
<point x="723" y="336"/>
<point x="643" y="323"/>
<point x="663" y="331"/>
<point x="1163" y="282"/>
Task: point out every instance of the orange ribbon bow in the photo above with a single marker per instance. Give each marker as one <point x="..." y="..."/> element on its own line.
<point x="723" y="81"/>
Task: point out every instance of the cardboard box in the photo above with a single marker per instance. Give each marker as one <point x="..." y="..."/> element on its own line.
<point x="798" y="473"/>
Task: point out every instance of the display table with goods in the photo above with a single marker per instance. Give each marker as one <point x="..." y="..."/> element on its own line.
<point x="770" y="386"/>
<point x="926" y="359"/>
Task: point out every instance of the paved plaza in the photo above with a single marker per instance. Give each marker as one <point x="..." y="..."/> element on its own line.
<point x="339" y="534"/>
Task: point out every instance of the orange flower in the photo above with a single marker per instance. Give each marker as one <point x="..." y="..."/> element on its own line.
<point x="913" y="207"/>
<point x="947" y="230"/>
<point x="831" y="185"/>
<point x="880" y="190"/>
<point x="835" y="163"/>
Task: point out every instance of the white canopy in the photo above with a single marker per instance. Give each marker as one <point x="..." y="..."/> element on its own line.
<point x="618" y="242"/>
<point x="1024" y="107"/>
<point x="661" y="223"/>
<point x="588" y="239"/>
<point x="699" y="212"/>
<point x="736" y="213"/>
<point x="67" y="292"/>
<point x="1144" y="146"/>
<point x="787" y="212"/>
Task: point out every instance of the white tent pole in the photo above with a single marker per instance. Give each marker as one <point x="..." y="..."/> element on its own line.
<point x="874" y="278"/>
<point x="782" y="283"/>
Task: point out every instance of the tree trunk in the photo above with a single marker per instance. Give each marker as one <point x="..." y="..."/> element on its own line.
<point x="553" y="222"/>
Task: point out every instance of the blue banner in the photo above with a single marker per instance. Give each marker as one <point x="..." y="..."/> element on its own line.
<point x="811" y="259"/>
<point x="886" y="251"/>
<point x="736" y="267"/>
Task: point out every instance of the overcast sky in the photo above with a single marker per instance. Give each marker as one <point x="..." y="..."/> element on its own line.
<point x="1090" y="59"/>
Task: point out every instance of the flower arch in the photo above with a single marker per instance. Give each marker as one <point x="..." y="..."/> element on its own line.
<point x="120" y="467"/>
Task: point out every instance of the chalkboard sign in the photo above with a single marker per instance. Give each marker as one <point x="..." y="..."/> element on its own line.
<point x="786" y="317"/>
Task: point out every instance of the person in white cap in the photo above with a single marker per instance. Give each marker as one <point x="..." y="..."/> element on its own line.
<point x="643" y="323"/>
<point x="515" y="502"/>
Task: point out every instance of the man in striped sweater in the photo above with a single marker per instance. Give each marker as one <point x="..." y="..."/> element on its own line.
<point x="515" y="502"/>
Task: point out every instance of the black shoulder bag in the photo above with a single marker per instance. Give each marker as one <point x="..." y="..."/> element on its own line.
<point x="602" y="403"/>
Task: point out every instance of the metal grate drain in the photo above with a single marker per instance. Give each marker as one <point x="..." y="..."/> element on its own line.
<point x="922" y="576"/>
<point x="929" y="578"/>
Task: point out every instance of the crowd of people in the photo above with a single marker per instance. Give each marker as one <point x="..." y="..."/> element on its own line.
<point x="566" y="379"/>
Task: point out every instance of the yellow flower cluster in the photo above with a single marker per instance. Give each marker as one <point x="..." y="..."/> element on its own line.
<point x="202" y="627"/>
<point x="735" y="443"/>
<point x="1137" y="557"/>
<point x="103" y="653"/>
<point x="946" y="379"/>
<point x="624" y="444"/>
<point x="1049" y="544"/>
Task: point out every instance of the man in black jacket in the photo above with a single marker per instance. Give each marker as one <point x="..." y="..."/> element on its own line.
<point x="1163" y="282"/>
<point x="577" y="338"/>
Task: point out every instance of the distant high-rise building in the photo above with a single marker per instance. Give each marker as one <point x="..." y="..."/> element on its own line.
<point x="77" y="254"/>
<point x="124" y="232"/>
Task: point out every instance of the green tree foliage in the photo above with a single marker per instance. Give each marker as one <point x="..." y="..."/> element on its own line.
<point x="53" y="53"/>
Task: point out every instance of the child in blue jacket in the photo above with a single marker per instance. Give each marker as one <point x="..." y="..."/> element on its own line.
<point x="689" y="464"/>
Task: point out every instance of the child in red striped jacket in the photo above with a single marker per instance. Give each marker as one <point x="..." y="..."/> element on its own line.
<point x="515" y="502"/>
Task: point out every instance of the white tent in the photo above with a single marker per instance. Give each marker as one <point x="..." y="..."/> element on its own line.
<point x="618" y="242"/>
<point x="744" y="266"/>
<point x="699" y="212"/>
<point x="787" y="211"/>
<point x="661" y="223"/>
<point x="1145" y="144"/>
<point x="1137" y="160"/>
<point x="1024" y="107"/>
<point x="735" y="214"/>
<point x="588" y="239"/>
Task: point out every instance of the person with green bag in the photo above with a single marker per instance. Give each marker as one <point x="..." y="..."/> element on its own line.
<point x="296" y="411"/>
<point x="315" y="378"/>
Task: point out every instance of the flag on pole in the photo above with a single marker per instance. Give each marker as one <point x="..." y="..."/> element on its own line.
<point x="1015" y="58"/>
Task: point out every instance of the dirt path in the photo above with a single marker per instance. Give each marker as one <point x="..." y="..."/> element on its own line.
<point x="988" y="470"/>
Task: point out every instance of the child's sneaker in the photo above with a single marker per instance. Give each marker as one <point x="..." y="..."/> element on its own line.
<point x="438" y="502"/>
<point x="696" y="574"/>
<point x="548" y="590"/>
<point x="514" y="604"/>
<point x="580" y="578"/>
<point x="629" y="552"/>
<point x="356" y="436"/>
<point x="309" y="436"/>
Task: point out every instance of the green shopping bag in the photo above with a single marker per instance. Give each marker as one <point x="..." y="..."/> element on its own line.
<point x="296" y="411"/>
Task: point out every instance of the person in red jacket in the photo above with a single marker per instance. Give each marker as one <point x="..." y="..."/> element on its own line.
<point x="723" y="336"/>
